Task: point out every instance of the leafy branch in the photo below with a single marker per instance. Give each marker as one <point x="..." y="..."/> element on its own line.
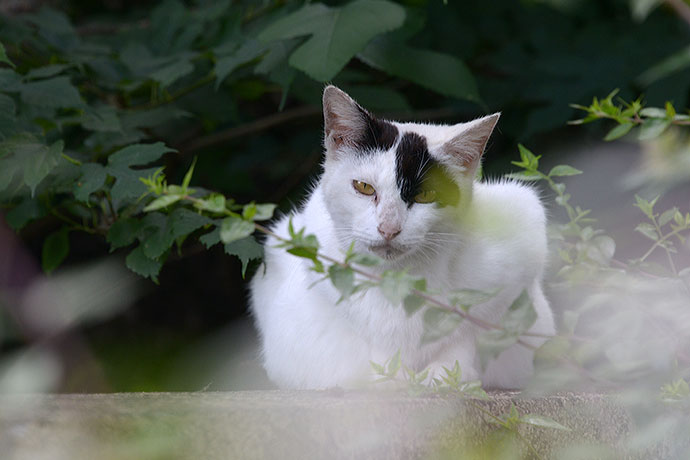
<point x="653" y="121"/>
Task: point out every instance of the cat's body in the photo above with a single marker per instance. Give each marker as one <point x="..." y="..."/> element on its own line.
<point x="480" y="236"/>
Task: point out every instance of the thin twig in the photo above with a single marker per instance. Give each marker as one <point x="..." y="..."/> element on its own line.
<point x="261" y="124"/>
<point x="430" y="299"/>
<point x="287" y="116"/>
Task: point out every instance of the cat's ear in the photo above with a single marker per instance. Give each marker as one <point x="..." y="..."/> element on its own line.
<point x="344" y="119"/>
<point x="467" y="146"/>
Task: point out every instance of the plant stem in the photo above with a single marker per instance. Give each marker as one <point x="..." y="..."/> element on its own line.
<point x="432" y="300"/>
<point x="668" y="252"/>
<point x="75" y="225"/>
<point x="659" y="241"/>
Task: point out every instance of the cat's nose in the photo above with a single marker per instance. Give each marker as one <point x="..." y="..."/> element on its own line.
<point x="388" y="233"/>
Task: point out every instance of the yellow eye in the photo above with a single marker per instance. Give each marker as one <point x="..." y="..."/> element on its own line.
<point x="363" y="187"/>
<point x="425" y="196"/>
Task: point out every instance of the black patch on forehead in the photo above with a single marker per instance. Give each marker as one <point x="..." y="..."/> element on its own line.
<point x="416" y="170"/>
<point x="377" y="134"/>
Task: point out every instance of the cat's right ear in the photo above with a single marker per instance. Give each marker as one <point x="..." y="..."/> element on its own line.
<point x="467" y="146"/>
<point x="344" y="120"/>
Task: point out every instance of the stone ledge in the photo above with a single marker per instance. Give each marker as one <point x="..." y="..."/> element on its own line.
<point x="291" y="424"/>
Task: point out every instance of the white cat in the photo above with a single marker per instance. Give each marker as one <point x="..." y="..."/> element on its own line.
<point x="405" y="192"/>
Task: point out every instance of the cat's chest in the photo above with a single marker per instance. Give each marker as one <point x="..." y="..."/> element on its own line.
<point x="376" y="317"/>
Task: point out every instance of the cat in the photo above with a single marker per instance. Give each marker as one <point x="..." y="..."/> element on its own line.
<point x="405" y="192"/>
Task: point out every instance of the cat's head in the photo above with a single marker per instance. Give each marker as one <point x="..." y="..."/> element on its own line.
<point x="396" y="188"/>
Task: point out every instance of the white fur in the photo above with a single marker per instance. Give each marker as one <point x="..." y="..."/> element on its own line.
<point x="494" y="240"/>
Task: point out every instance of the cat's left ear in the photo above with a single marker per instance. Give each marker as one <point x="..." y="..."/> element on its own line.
<point x="467" y="146"/>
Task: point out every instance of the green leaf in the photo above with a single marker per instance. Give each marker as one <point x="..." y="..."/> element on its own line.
<point x="336" y="34"/>
<point x="30" y="154"/>
<point x="169" y="74"/>
<point x="412" y="304"/>
<point x="123" y="232"/>
<point x="343" y="278"/>
<point x="520" y="315"/>
<point x="619" y="131"/>
<point x="667" y="216"/>
<point x="529" y="160"/>
<point x="396" y="285"/>
<point x="55" y="92"/>
<point x="653" y="128"/>
<point x="138" y="154"/>
<point x="563" y="170"/>
<point x="51" y="22"/>
<point x="211" y="238"/>
<point x="264" y="211"/>
<point x="379" y="369"/>
<point x="304" y="252"/>
<point x="183" y="222"/>
<point x="245" y="249"/>
<point x="39" y="162"/>
<point x="602" y="249"/>
<point x="677" y="217"/>
<point x="8" y="121"/>
<point x="45" y="71"/>
<point x="142" y="265"/>
<point x="92" y="178"/>
<point x="247" y="52"/>
<point x="248" y="211"/>
<point x="4" y="58"/>
<point x="368" y="260"/>
<point x="156" y="237"/>
<point x="670" y="111"/>
<point x="439" y="323"/>
<point x="10" y="81"/>
<point x="258" y="212"/>
<point x="214" y="203"/>
<point x="647" y="230"/>
<point x="234" y="228"/>
<point x="102" y="119"/>
<point x="188" y="175"/>
<point x="127" y="180"/>
<point x="128" y="185"/>
<point x="653" y="112"/>
<point x="526" y="176"/>
<point x="517" y="320"/>
<point x="542" y="421"/>
<point x="55" y="249"/>
<point x="162" y="202"/>
<point x="470" y="297"/>
<point x="647" y="207"/>
<point x="9" y="167"/>
<point x="23" y="213"/>
<point x="443" y="73"/>
<point x="394" y="365"/>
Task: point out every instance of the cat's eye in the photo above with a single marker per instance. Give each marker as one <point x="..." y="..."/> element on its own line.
<point x="425" y="196"/>
<point x="363" y="187"/>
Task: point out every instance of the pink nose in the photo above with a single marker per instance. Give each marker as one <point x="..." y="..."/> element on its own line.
<point x="388" y="233"/>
